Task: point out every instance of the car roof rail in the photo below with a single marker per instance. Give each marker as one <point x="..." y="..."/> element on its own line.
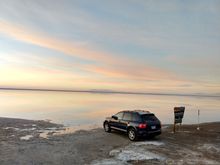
<point x="136" y="110"/>
<point x="142" y="111"/>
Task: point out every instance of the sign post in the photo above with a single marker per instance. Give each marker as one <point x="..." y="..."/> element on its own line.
<point x="178" y="116"/>
<point x="198" y="119"/>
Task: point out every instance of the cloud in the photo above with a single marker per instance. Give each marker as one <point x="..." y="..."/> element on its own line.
<point x="157" y="39"/>
<point x="107" y="64"/>
<point x="26" y="35"/>
<point x="132" y="73"/>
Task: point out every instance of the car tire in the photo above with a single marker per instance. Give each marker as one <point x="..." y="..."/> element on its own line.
<point x="107" y="127"/>
<point x="132" y="134"/>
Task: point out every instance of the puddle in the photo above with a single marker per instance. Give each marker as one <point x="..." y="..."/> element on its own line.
<point x="65" y="130"/>
<point x="54" y="131"/>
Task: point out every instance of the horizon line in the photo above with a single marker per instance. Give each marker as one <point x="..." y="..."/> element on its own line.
<point x="104" y="92"/>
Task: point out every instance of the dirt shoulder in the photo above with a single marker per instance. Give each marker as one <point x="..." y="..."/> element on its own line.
<point x="187" y="146"/>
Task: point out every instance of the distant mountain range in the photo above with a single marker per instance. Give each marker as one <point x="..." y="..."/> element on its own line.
<point x="109" y="92"/>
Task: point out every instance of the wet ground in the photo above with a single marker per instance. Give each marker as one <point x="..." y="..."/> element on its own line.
<point x="21" y="143"/>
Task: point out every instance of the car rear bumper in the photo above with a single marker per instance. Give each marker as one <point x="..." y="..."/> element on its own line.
<point x="146" y="133"/>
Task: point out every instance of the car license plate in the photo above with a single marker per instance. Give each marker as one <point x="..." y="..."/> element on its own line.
<point x="153" y="127"/>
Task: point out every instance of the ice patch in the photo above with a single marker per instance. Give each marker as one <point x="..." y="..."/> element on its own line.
<point x="109" y="162"/>
<point x="114" y="152"/>
<point x="28" y="129"/>
<point x="14" y="128"/>
<point x="148" y="143"/>
<point x="8" y="128"/>
<point x="132" y="152"/>
<point x="137" y="154"/>
<point x="27" y="137"/>
<point x="51" y="129"/>
<point x="20" y="129"/>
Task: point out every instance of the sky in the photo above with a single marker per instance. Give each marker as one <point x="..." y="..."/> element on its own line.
<point x="134" y="45"/>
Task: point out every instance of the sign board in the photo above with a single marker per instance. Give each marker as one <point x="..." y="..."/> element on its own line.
<point x="178" y="114"/>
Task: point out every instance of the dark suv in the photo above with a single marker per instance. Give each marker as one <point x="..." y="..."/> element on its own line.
<point x="134" y="123"/>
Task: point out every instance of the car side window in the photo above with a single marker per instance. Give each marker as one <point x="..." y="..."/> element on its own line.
<point x="135" y="117"/>
<point x="119" y="115"/>
<point x="127" y="116"/>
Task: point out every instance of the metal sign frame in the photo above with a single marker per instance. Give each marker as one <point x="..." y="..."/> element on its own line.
<point x="178" y="116"/>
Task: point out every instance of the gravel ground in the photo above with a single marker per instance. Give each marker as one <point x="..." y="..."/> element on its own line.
<point x="21" y="144"/>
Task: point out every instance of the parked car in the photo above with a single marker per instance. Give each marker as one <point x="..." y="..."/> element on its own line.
<point x="136" y="124"/>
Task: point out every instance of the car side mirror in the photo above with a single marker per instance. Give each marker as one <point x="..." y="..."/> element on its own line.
<point x="115" y="117"/>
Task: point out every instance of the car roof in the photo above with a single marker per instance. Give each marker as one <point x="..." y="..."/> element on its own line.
<point x="140" y="112"/>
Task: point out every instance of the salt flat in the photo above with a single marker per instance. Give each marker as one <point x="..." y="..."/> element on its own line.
<point x="21" y="143"/>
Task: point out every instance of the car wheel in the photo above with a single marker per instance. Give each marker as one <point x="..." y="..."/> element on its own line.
<point x="132" y="135"/>
<point x="107" y="128"/>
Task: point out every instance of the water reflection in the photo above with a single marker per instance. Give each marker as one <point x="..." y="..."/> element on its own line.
<point x="74" y="109"/>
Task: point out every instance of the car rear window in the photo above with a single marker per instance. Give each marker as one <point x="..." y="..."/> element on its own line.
<point x="148" y="117"/>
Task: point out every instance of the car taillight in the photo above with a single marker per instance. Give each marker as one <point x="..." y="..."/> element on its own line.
<point x="142" y="126"/>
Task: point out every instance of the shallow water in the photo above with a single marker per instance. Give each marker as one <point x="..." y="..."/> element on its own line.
<point x="78" y="109"/>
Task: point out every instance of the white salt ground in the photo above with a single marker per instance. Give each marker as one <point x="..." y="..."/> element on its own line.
<point x="26" y="137"/>
<point x="132" y="152"/>
<point x="148" y="143"/>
